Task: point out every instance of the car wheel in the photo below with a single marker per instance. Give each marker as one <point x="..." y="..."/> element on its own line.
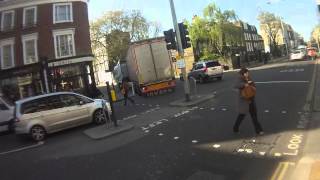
<point x="219" y="78"/>
<point x="99" y="117"/>
<point x="38" y="133"/>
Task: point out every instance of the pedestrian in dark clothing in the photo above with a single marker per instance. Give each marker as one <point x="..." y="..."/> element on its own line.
<point x="125" y="91"/>
<point x="246" y="105"/>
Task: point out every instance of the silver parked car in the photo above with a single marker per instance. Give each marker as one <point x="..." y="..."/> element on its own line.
<point x="45" y="114"/>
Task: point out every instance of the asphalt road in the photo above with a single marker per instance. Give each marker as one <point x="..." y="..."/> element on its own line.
<point x="196" y="143"/>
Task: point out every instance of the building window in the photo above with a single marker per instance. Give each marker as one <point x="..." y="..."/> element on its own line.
<point x="7" y="21"/>
<point x="62" y="13"/>
<point x="29" y="16"/>
<point x="64" y="43"/>
<point x="7" y="54"/>
<point x="30" y="48"/>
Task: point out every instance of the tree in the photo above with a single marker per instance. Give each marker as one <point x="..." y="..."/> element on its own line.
<point x="216" y="32"/>
<point x="315" y="35"/>
<point x="271" y="25"/>
<point x="112" y="33"/>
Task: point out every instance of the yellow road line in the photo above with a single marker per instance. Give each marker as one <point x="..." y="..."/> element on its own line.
<point x="281" y="170"/>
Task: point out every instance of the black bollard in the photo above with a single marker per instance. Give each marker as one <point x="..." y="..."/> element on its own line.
<point x="113" y="116"/>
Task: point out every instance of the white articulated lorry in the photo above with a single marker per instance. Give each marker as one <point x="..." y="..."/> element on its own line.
<point x="149" y="66"/>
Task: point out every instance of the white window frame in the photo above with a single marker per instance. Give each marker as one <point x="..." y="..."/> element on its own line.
<point x="2" y="19"/>
<point x="28" y="38"/>
<point x="54" y="12"/>
<point x="64" y="32"/>
<point x="35" y="15"/>
<point x="4" y="43"/>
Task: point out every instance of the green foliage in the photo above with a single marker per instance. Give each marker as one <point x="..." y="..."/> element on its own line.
<point x="112" y="32"/>
<point x="271" y="25"/>
<point x="215" y="32"/>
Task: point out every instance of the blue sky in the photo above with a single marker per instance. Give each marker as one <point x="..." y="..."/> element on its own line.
<point x="301" y="14"/>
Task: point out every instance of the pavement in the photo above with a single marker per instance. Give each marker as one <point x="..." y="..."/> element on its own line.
<point x="186" y="142"/>
<point x="308" y="166"/>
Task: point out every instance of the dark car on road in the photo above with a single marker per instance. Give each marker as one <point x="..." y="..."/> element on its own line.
<point x="205" y="70"/>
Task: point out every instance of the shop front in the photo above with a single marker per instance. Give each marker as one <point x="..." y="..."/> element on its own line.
<point x="72" y="75"/>
<point x="19" y="83"/>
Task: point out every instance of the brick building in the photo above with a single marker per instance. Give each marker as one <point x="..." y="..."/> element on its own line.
<point x="44" y="47"/>
<point x="254" y="44"/>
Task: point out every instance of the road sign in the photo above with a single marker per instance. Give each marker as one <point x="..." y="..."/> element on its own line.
<point x="181" y="63"/>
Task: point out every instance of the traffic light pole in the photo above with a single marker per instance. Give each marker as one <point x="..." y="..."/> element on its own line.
<point x="180" y="51"/>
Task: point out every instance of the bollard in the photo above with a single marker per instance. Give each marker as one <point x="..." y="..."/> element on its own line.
<point x="113" y="116"/>
<point x="113" y="95"/>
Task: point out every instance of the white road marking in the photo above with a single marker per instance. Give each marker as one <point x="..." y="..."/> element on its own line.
<point x="216" y="146"/>
<point x="176" y="138"/>
<point x="129" y="117"/>
<point x="194" y="141"/>
<point x="212" y="109"/>
<point x="277" y="154"/>
<point x="23" y="148"/>
<point x="283" y="112"/>
<point x="240" y="150"/>
<point x="278" y="82"/>
<point x="262" y="153"/>
<point x="144" y="128"/>
<point x="201" y="108"/>
<point x="266" y="111"/>
<point x="224" y="109"/>
<point x="143" y="104"/>
<point x="160" y="134"/>
<point x="146" y="131"/>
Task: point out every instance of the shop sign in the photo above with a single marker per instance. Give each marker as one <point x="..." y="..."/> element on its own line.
<point x="181" y="64"/>
<point x="70" y="61"/>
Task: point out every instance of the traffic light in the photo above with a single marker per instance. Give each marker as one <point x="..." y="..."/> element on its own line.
<point x="184" y="34"/>
<point x="170" y="39"/>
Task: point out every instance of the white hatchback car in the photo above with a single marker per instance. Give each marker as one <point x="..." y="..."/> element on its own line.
<point x="205" y="70"/>
<point x="45" y="114"/>
<point x="298" y="54"/>
<point x="6" y="114"/>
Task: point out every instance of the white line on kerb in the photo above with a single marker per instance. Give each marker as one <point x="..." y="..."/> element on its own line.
<point x="23" y="148"/>
<point x="277" y="82"/>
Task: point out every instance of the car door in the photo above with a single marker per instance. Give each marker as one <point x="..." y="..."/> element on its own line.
<point x="198" y="70"/>
<point x="77" y="113"/>
<point x="45" y="111"/>
<point x="55" y="117"/>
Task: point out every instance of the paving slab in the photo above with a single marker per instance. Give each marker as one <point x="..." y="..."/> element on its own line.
<point x="103" y="131"/>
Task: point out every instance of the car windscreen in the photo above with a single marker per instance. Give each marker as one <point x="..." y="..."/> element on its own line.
<point x="212" y="64"/>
